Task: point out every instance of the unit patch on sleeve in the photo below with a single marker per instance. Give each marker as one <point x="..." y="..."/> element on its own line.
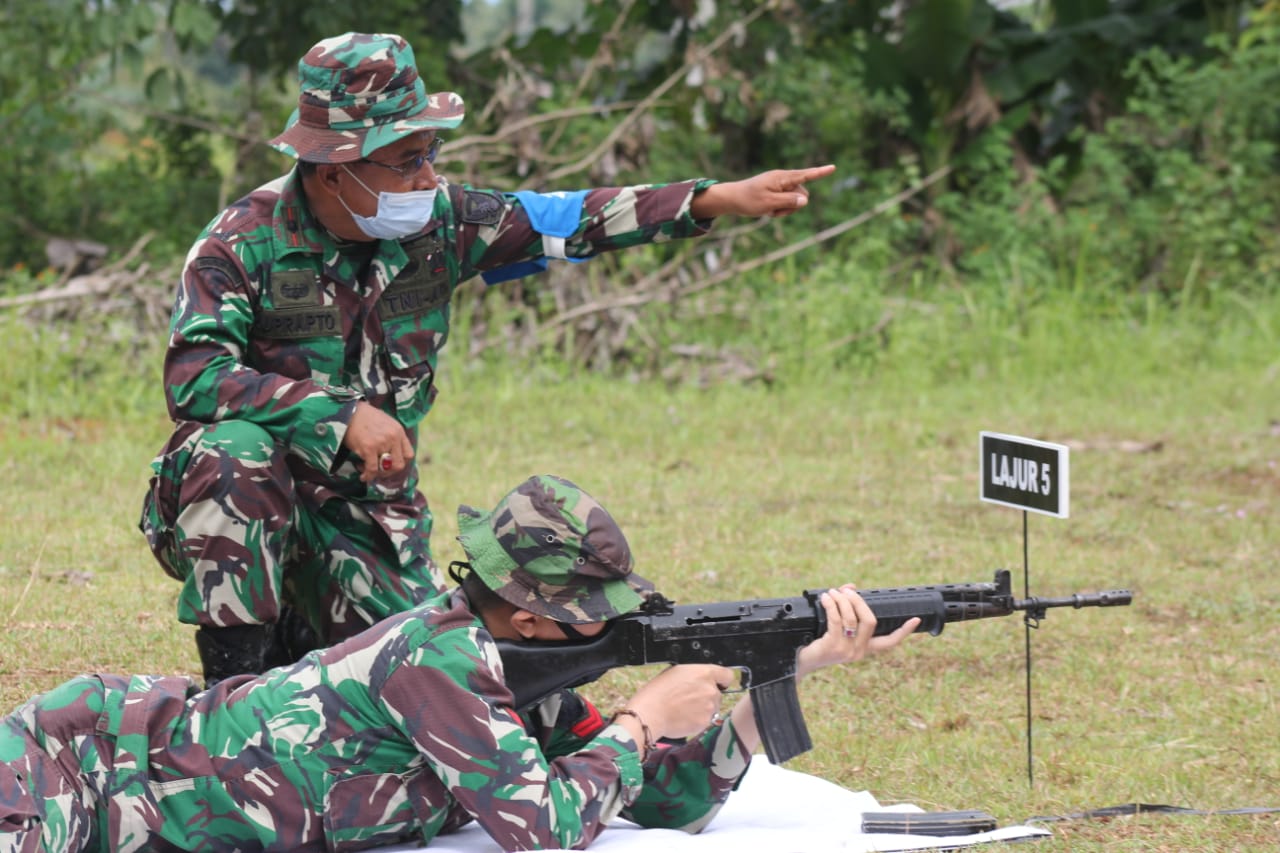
<point x="482" y="207"/>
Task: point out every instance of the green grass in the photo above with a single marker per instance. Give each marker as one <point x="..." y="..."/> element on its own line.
<point x="734" y="492"/>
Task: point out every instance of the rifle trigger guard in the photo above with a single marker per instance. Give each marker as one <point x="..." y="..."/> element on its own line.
<point x="743" y="685"/>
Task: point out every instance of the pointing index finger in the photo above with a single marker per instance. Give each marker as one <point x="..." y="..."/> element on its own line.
<point x="803" y="176"/>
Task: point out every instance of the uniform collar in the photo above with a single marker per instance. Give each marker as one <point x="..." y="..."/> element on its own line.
<point x="295" y="229"/>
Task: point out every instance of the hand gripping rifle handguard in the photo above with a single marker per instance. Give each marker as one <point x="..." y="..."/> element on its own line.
<point x="761" y="638"/>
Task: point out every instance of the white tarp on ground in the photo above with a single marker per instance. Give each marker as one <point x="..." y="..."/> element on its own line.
<point x="775" y="809"/>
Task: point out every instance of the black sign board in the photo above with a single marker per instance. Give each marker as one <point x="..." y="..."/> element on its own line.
<point x="1025" y="473"/>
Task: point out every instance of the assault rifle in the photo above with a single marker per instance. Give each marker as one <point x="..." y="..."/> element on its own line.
<point x="761" y="638"/>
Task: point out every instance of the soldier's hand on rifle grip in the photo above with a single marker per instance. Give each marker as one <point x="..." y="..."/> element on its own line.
<point x="680" y="700"/>
<point x="850" y="633"/>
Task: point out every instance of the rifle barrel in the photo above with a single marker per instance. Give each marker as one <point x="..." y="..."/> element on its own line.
<point x="1109" y="598"/>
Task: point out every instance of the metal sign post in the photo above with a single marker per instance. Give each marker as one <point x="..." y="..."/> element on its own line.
<point x="1034" y="476"/>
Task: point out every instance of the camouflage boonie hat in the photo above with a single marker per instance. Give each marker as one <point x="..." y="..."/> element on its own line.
<point x="550" y="548"/>
<point x="359" y="92"/>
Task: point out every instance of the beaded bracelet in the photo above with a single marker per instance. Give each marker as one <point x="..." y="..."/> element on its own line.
<point x="649" y="743"/>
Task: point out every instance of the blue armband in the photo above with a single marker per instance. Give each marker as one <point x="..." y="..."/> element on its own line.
<point x="556" y="216"/>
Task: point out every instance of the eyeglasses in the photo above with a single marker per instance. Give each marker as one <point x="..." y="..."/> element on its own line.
<point x="413" y="166"/>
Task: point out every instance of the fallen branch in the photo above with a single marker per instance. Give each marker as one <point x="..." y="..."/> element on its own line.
<point x="679" y="74"/>
<point x="96" y="283"/>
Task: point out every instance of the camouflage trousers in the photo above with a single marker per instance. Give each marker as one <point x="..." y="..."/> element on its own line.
<point x="76" y="772"/>
<point x="46" y="801"/>
<point x="226" y="515"/>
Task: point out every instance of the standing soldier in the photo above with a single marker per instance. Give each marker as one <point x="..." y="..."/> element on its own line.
<point x="303" y="350"/>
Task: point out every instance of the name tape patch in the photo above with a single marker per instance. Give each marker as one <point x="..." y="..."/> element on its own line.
<point x="415" y="297"/>
<point x="298" y="323"/>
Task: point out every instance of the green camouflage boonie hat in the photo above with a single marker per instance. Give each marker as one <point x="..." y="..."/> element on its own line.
<point x="359" y="92"/>
<point x="550" y="548"/>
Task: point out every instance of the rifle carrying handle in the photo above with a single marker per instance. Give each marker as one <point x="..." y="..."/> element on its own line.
<point x="776" y="707"/>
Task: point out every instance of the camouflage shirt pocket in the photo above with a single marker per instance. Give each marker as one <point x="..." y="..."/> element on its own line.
<point x="414" y="311"/>
<point x="298" y="329"/>
<point x="364" y="810"/>
<point x="294" y="308"/>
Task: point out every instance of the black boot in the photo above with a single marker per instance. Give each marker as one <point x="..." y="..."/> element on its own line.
<point x="233" y="650"/>
<point x="291" y="637"/>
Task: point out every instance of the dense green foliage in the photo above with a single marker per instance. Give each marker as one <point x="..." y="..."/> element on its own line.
<point x="124" y="117"/>
<point x="1122" y="152"/>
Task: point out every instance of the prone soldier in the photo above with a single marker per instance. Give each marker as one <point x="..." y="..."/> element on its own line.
<point x="407" y="730"/>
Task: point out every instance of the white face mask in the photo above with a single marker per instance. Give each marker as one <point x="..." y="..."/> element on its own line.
<point x="399" y="214"/>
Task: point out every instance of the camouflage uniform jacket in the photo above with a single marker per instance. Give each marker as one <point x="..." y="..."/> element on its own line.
<point x="274" y="325"/>
<point x="403" y="732"/>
